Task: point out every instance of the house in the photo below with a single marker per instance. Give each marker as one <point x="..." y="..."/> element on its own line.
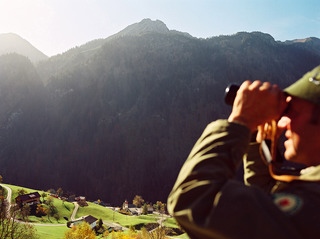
<point x="30" y="199"/>
<point x="91" y="220"/>
<point x="132" y="206"/>
<point x="81" y="201"/>
<point x="134" y="210"/>
<point x="150" y="210"/>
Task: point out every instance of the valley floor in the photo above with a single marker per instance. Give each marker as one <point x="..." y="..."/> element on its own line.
<point x="53" y="230"/>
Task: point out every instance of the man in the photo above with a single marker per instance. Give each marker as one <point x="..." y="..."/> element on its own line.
<point x="206" y="200"/>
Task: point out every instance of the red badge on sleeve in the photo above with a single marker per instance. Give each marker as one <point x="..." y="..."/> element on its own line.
<point x="288" y="203"/>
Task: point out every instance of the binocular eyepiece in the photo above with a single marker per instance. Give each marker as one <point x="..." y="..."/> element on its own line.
<point x="230" y="93"/>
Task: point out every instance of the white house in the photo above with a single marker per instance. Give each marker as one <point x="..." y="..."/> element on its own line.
<point x="92" y="221"/>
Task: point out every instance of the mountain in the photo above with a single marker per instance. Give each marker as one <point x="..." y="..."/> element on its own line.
<point x="145" y="26"/>
<point x="311" y="44"/>
<point x="82" y="53"/>
<point x="12" y="43"/>
<point x="117" y="117"/>
<point x="22" y="113"/>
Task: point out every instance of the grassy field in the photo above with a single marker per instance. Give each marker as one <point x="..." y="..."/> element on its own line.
<point x="48" y="232"/>
<point x="65" y="209"/>
<point x="170" y="222"/>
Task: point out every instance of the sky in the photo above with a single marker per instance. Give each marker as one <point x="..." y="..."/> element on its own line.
<point x="55" y="26"/>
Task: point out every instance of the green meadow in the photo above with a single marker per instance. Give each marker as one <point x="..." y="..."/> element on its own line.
<point x="52" y="228"/>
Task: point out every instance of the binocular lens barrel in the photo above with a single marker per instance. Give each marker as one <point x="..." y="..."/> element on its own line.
<point x="230" y="93"/>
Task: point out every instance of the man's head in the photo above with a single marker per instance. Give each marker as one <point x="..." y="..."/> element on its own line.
<point x="302" y="120"/>
<point x="257" y="103"/>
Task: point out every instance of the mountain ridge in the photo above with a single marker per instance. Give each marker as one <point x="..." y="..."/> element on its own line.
<point x="145" y="26"/>
<point x="13" y="43"/>
<point x="311" y="44"/>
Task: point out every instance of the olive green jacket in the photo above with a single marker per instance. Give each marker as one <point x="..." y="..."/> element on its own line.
<point x="208" y="202"/>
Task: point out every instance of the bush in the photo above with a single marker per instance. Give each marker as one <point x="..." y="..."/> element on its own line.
<point x="125" y="212"/>
<point x="80" y="231"/>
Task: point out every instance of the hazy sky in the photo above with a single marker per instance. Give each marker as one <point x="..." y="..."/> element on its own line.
<point x="54" y="26"/>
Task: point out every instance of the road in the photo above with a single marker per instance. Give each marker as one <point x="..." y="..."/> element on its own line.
<point x="73" y="215"/>
<point x="8" y="199"/>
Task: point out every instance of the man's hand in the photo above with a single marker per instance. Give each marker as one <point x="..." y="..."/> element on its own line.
<point x="257" y="103"/>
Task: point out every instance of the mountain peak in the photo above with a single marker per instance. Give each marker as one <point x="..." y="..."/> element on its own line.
<point x="13" y="43"/>
<point x="145" y="26"/>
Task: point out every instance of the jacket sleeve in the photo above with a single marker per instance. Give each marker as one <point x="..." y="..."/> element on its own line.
<point x="208" y="203"/>
<point x="256" y="172"/>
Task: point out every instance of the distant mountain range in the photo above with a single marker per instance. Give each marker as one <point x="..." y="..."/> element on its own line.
<point x="117" y="117"/>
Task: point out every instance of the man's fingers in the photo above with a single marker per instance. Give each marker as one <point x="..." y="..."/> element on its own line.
<point x="260" y="133"/>
<point x="275" y="87"/>
<point x="265" y="86"/>
<point x="255" y="85"/>
<point x="245" y="85"/>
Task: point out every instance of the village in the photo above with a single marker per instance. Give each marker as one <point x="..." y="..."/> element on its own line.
<point x="39" y="204"/>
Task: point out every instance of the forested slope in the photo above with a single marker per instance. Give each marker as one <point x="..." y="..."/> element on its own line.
<point x="118" y="116"/>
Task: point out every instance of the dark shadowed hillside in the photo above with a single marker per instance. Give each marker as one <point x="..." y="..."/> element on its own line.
<point x="118" y="116"/>
<point x="22" y="117"/>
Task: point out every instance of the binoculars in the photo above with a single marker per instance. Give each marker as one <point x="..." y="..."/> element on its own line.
<point x="280" y="165"/>
<point x="230" y="93"/>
